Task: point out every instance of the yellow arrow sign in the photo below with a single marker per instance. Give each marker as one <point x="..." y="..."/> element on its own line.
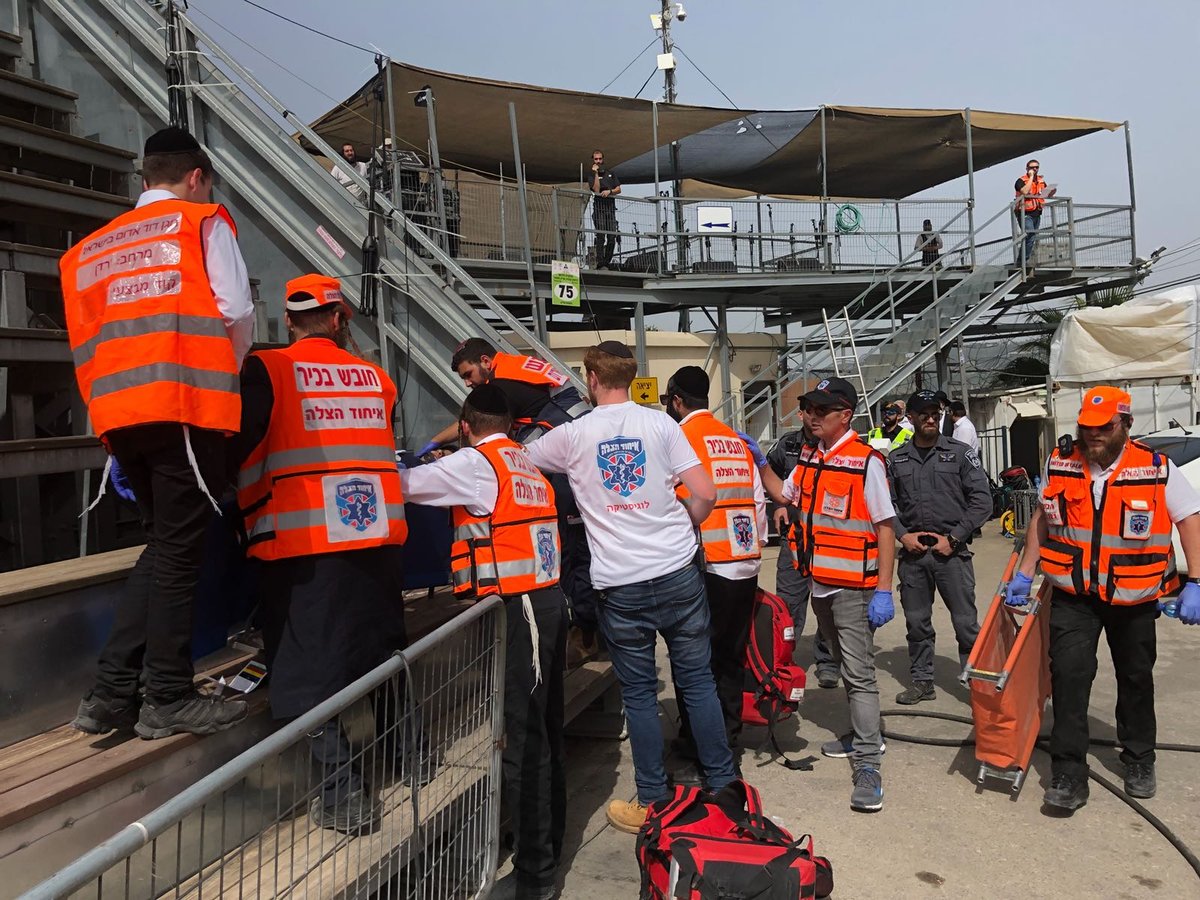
<point x="645" y="391"/>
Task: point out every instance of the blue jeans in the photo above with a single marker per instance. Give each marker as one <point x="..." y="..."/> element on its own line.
<point x="1033" y="221"/>
<point x="631" y="616"/>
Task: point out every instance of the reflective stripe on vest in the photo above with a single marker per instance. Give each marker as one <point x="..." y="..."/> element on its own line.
<point x="147" y="338"/>
<point x="1120" y="552"/>
<point x="835" y="540"/>
<point x="516" y="549"/>
<point x="730" y="532"/>
<point x="324" y="477"/>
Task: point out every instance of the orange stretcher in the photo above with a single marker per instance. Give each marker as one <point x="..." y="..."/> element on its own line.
<point x="1008" y="673"/>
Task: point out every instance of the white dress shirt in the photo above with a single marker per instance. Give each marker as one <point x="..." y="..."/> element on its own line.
<point x="464" y="478"/>
<point x="965" y="431"/>
<point x="347" y="182"/>
<point x="226" y="276"/>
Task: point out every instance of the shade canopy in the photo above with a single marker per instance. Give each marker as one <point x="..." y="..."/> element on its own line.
<point x="872" y="152"/>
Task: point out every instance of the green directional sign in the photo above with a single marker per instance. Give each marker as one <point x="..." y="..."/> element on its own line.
<point x="564" y="283"/>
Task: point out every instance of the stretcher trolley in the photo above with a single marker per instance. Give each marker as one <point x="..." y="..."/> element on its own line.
<point x="1008" y="673"/>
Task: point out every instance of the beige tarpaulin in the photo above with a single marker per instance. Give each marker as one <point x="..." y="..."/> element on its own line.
<point x="871" y="152"/>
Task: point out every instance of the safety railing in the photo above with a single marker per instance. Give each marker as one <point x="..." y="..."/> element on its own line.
<point x="994" y="449"/>
<point x="388" y="788"/>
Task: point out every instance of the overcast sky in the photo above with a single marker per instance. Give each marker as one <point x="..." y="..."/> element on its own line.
<point x="1102" y="59"/>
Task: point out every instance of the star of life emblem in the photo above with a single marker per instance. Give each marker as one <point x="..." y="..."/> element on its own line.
<point x="547" y="552"/>
<point x="743" y="532"/>
<point x="357" y="504"/>
<point x="622" y="463"/>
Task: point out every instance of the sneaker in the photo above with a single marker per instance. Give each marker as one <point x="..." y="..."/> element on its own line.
<point x="867" y="795"/>
<point x="356" y="813"/>
<point x="1140" y="781"/>
<point x="100" y="715"/>
<point x="1066" y="792"/>
<point x="843" y="747"/>
<point x="827" y="679"/>
<point x="920" y="690"/>
<point x="193" y="714"/>
<point x="627" y="815"/>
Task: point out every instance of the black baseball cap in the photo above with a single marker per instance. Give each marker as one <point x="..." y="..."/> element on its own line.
<point x="922" y="400"/>
<point x="833" y="393"/>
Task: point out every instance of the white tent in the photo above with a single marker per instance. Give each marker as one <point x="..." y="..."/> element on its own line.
<point x="1151" y="337"/>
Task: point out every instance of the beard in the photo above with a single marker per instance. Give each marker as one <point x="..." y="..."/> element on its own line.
<point x="1103" y="454"/>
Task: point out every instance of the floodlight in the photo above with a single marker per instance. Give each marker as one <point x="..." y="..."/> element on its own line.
<point x="656" y="21"/>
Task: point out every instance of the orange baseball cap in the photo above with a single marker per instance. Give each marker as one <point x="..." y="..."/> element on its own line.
<point x="313" y="291"/>
<point x="1100" y="404"/>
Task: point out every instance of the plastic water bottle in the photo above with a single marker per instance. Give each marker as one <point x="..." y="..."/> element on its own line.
<point x="1170" y="609"/>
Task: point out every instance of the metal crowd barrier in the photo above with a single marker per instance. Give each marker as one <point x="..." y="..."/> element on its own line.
<point x="1023" y="503"/>
<point x="424" y="730"/>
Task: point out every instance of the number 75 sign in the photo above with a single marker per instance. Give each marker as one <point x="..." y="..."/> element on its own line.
<point x="564" y="283"/>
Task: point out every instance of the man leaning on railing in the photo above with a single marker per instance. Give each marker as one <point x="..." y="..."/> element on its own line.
<point x="605" y="186"/>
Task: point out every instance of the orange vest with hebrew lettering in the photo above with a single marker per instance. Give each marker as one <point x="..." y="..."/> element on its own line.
<point x="1032" y="204"/>
<point x="515" y="549"/>
<point x="835" y="540"/>
<point x="324" y="477"/>
<point x="149" y="342"/>
<point x="730" y="532"/>
<point x="1121" y="552"/>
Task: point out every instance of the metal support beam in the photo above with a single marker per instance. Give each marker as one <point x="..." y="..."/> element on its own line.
<point x="970" y="183"/>
<point x="639" y="336"/>
<point x="536" y="303"/>
<point x="963" y="392"/>
<point x="723" y="360"/>
<point x="825" y="195"/>
<point x="1132" y="197"/>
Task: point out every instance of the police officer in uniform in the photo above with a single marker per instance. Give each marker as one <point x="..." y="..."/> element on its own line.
<point x="506" y="543"/>
<point x="941" y="495"/>
<point x="890" y="431"/>
<point x="324" y="514"/>
<point x="1103" y="539"/>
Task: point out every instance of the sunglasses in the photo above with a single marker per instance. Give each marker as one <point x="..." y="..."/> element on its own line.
<point x="820" y="412"/>
<point x="1100" y="429"/>
<point x="928" y="414"/>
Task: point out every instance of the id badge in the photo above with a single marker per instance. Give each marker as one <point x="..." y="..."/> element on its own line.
<point x="836" y="506"/>
<point x="1136" y="520"/>
<point x="1052" y="510"/>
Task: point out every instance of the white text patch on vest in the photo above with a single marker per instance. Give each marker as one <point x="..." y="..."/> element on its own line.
<point x="343" y="412"/>
<point x="314" y="378"/>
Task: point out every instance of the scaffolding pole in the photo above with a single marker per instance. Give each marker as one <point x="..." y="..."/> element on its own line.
<point x="536" y="302"/>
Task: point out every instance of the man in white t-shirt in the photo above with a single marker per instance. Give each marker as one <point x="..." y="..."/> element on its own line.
<point x="964" y="429"/>
<point x="351" y="156"/>
<point x="623" y="462"/>
<point x="846" y="543"/>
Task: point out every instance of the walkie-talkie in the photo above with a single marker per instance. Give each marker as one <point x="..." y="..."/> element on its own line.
<point x="1066" y="446"/>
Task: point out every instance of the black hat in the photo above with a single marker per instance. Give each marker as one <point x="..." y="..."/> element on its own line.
<point x="940" y="395"/>
<point x="489" y="400"/>
<point x="833" y="392"/>
<point x="692" y="381"/>
<point x="615" y="348"/>
<point x="170" y="140"/>
<point x="922" y="400"/>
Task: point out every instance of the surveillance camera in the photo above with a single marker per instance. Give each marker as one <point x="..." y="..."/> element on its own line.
<point x="680" y="12"/>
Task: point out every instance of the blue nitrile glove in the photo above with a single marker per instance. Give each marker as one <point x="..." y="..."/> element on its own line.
<point x="1189" y="604"/>
<point x="1018" y="590"/>
<point x="120" y="483"/>
<point x="880" y="610"/>
<point x="760" y="458"/>
<point x="428" y="448"/>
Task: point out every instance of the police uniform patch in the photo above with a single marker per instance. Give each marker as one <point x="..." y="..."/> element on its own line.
<point x="946" y="456"/>
<point x="973" y="458"/>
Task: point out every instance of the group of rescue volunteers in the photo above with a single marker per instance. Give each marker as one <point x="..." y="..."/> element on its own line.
<point x="605" y="520"/>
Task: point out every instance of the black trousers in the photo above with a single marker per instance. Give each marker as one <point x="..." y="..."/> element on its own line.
<point x="577" y="573"/>
<point x="534" y="781"/>
<point x="604" y="220"/>
<point x="1075" y="626"/>
<point x="151" y="636"/>
<point x="730" y="608"/>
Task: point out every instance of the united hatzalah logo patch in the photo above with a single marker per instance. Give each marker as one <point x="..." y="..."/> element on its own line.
<point x="357" y="504"/>
<point x="743" y="532"/>
<point x="547" y="552"/>
<point x="622" y="462"/>
<point x="821" y="385"/>
<point x="1139" y="523"/>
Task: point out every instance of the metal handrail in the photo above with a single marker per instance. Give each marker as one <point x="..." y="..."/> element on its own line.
<point x="136" y="835"/>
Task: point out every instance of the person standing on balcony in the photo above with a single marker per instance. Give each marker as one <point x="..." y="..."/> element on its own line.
<point x="929" y="243"/>
<point x="506" y="543"/>
<point x="605" y="186"/>
<point x="350" y="155"/>
<point x="624" y="462"/>
<point x="941" y="496"/>
<point x="846" y="544"/>
<point x="157" y="345"/>
<point x="324" y="514"/>
<point x="1031" y="198"/>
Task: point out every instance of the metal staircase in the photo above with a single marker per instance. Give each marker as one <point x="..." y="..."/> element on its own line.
<point x="419" y="318"/>
<point x="879" y="343"/>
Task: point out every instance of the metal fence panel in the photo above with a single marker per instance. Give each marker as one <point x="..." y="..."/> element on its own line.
<point x="422" y="732"/>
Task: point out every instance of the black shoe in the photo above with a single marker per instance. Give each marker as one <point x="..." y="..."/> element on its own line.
<point x="685" y="748"/>
<point x="827" y="679"/>
<point x="688" y="775"/>
<point x="1140" y="781"/>
<point x="100" y="715"/>
<point x="193" y="714"/>
<point x="920" y="690"/>
<point x="1066" y="792"/>
<point x="356" y="813"/>
<point x="510" y="888"/>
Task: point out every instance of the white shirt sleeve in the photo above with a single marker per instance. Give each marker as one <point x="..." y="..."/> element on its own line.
<point x="552" y="451"/>
<point x="464" y="478"/>
<point x="230" y="284"/>
<point x="1183" y="500"/>
<point x="790" y="493"/>
<point x="680" y="452"/>
<point x="760" y="507"/>
<point x="878" y="497"/>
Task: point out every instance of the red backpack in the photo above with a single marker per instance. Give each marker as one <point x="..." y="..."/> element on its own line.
<point x="774" y="686"/>
<point x="698" y="846"/>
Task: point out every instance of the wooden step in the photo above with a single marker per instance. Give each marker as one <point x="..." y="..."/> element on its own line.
<point x="33" y="345"/>
<point x="30" y="259"/>
<point x="55" y="203"/>
<point x="44" y="456"/>
<point x="69" y="575"/>
<point x="31" y="92"/>
<point x="34" y="148"/>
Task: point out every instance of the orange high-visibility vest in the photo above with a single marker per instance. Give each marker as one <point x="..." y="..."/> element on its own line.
<point x="835" y="540"/>
<point x="148" y="340"/>
<point x="730" y="532"/>
<point x="324" y="477"/>
<point x="1120" y="552"/>
<point x="1033" y="204"/>
<point x="515" y="549"/>
<point x="527" y="369"/>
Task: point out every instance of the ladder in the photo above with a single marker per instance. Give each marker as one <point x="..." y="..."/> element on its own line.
<point x="838" y="353"/>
